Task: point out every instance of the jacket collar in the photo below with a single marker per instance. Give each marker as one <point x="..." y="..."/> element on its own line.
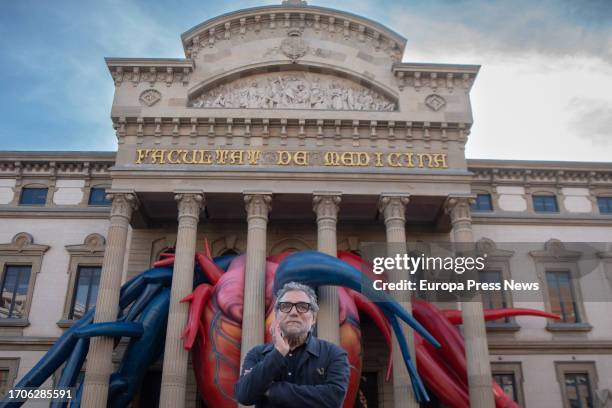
<point x="313" y="346"/>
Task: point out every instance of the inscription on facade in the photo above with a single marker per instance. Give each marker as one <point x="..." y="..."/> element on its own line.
<point x="240" y="157"/>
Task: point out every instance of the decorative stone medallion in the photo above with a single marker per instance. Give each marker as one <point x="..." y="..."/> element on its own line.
<point x="294" y="46"/>
<point x="435" y="102"/>
<point x="150" y="97"/>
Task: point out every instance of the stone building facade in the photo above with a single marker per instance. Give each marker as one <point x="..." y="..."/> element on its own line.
<point x="295" y="127"/>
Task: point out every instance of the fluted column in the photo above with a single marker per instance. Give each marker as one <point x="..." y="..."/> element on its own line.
<point x="393" y="209"/>
<point x="254" y="314"/>
<point x="99" y="359"/>
<point x="326" y="206"/>
<point x="174" y="374"/>
<point x="474" y="331"/>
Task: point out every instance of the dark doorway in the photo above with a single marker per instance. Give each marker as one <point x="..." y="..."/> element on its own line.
<point x="434" y="401"/>
<point x="150" y="390"/>
<point x="368" y="390"/>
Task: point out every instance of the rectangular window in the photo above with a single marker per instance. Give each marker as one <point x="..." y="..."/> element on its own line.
<point x="8" y="372"/>
<point x="562" y="296"/>
<point x="545" y="203"/>
<point x="97" y="196"/>
<point x="605" y="205"/>
<point x="33" y="196"/>
<point x="493" y="299"/>
<point x="4" y="381"/>
<point x="85" y="291"/>
<point x="578" y="390"/>
<point x="507" y="381"/>
<point x="14" y="291"/>
<point x="483" y="203"/>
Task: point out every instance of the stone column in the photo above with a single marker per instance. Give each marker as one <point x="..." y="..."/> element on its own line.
<point x="174" y="374"/>
<point x="257" y="205"/>
<point x="393" y="209"/>
<point x="326" y="206"/>
<point x="474" y="331"/>
<point x="100" y="357"/>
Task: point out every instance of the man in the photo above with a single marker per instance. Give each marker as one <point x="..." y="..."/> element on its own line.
<point x="296" y="370"/>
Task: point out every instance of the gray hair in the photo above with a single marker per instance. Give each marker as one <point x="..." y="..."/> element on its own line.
<point x="291" y="286"/>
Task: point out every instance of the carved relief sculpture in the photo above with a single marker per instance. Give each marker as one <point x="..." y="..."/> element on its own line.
<point x="294" y="90"/>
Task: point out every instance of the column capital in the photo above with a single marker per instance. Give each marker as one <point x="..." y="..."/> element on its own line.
<point x="458" y="207"/>
<point x="257" y="205"/>
<point x="393" y="206"/>
<point x="326" y="205"/>
<point x="189" y="203"/>
<point x="123" y="203"/>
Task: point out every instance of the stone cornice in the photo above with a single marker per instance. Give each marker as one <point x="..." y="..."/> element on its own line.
<point x="502" y="347"/>
<point x="137" y="70"/>
<point x="55" y="213"/>
<point x="61" y="164"/>
<point x="225" y="26"/>
<point x="94" y="244"/>
<point x="23" y="244"/>
<point x="363" y="132"/>
<point x="435" y="76"/>
<point x="539" y="165"/>
<point x="520" y="218"/>
<point x="58" y="156"/>
<point x="556" y="174"/>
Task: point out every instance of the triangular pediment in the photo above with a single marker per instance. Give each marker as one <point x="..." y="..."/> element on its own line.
<point x="294" y="90"/>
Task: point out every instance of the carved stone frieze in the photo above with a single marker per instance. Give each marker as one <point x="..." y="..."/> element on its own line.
<point x="294" y="90"/>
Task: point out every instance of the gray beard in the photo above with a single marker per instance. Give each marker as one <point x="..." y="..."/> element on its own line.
<point x="295" y="339"/>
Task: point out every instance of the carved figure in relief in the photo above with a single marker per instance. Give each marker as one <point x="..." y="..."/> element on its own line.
<point x="296" y="90"/>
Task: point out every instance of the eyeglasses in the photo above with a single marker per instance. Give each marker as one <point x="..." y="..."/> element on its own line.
<point x="301" y="307"/>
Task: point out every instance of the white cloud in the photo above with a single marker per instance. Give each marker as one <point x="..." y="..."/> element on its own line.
<point x="591" y="119"/>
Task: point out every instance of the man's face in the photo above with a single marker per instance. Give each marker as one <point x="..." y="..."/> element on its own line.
<point x="295" y="323"/>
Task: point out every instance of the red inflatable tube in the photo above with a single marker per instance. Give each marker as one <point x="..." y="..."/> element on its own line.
<point x="169" y="260"/>
<point x="212" y="272"/>
<point x="366" y="306"/>
<point x="454" y="316"/>
<point x="198" y="300"/>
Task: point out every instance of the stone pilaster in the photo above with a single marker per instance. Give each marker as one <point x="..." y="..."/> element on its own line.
<point x="606" y="259"/>
<point x="326" y="206"/>
<point x="257" y="206"/>
<point x="393" y="209"/>
<point x="174" y="375"/>
<point x="99" y="359"/>
<point x="474" y="331"/>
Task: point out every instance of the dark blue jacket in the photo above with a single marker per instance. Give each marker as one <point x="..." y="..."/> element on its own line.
<point x="321" y="379"/>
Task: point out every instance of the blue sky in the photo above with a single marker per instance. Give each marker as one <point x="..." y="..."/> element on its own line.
<point x="544" y="91"/>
